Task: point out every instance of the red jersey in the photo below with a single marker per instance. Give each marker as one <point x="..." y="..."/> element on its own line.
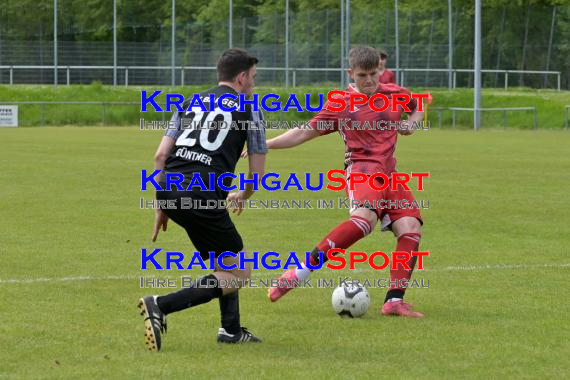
<point x="387" y="77"/>
<point x="370" y="142"/>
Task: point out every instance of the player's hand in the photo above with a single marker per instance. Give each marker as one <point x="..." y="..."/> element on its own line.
<point x="160" y="221"/>
<point x="244" y="154"/>
<point x="404" y="128"/>
<point x="237" y="199"/>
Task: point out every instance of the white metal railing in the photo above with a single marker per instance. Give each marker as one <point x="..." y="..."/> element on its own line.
<point x="504" y="110"/>
<point x="504" y="72"/>
<point x="103" y="106"/>
<point x="293" y="71"/>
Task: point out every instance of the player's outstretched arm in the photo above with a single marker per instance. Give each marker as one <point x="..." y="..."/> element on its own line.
<point x="416" y="116"/>
<point x="164" y="149"/>
<point x="292" y="138"/>
<point x="256" y="165"/>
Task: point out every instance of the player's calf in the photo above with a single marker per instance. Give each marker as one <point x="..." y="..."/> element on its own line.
<point x="408" y="231"/>
<point x="342" y="236"/>
<point x="235" y="278"/>
<point x="360" y="224"/>
<point x="231" y="330"/>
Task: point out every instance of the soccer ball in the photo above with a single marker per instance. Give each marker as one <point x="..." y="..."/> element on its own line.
<point x="351" y="300"/>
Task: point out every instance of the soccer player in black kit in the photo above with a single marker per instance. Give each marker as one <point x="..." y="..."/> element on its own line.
<point x="190" y="150"/>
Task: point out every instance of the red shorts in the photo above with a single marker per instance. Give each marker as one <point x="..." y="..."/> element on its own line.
<point x="390" y="205"/>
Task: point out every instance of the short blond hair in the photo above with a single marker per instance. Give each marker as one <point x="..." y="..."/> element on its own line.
<point x="363" y="57"/>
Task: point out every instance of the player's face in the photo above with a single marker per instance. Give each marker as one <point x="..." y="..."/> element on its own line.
<point x="248" y="81"/>
<point x="366" y="80"/>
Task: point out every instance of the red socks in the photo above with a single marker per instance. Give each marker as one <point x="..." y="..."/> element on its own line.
<point x="343" y="236"/>
<point x="349" y="232"/>
<point x="406" y="243"/>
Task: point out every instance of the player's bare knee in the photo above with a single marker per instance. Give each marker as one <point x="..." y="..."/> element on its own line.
<point x="364" y="218"/>
<point x="407" y="225"/>
<point x="242" y="270"/>
<point x="245" y="273"/>
<point x="218" y="268"/>
<point x="247" y="266"/>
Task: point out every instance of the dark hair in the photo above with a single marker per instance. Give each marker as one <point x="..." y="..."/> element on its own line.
<point x="383" y="53"/>
<point x="234" y="61"/>
<point x="363" y="57"/>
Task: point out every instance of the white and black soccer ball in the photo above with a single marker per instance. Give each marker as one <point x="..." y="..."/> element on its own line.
<point x="350" y="300"/>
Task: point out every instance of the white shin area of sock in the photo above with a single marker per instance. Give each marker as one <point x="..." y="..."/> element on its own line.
<point x="303" y="272"/>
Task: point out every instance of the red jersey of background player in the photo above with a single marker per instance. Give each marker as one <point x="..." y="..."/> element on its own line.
<point x="387" y="77"/>
<point x="369" y="150"/>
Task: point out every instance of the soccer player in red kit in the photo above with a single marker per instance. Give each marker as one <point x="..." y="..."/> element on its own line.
<point x="386" y="75"/>
<point x="367" y="151"/>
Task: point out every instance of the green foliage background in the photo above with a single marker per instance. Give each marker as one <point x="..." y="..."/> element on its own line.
<point x="314" y="29"/>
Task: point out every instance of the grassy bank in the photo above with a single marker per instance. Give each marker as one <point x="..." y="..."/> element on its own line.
<point x="549" y="104"/>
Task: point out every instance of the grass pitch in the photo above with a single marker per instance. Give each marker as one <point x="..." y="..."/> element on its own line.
<point x="497" y="231"/>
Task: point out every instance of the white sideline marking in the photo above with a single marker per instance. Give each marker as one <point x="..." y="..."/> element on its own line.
<point x="458" y="268"/>
<point x="137" y="277"/>
<point x="497" y="266"/>
<point x="65" y="279"/>
<point x="91" y="278"/>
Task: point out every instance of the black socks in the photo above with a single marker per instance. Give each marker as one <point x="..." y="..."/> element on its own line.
<point x="394" y="293"/>
<point x="229" y="309"/>
<point x="205" y="289"/>
<point x="316" y="257"/>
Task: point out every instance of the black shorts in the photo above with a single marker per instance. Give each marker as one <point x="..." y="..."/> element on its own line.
<point x="210" y="230"/>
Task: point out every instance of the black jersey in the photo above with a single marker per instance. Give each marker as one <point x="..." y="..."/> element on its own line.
<point x="212" y="141"/>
